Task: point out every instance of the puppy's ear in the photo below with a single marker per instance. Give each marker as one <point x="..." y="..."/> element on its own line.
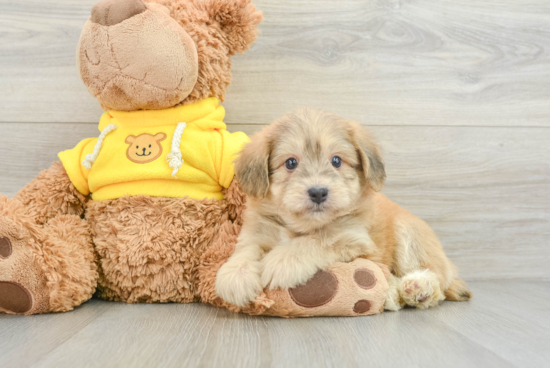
<point x="252" y="165"/>
<point x="370" y="154"/>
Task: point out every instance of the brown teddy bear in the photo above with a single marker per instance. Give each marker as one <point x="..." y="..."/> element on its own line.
<point x="132" y="211"/>
<point x="148" y="210"/>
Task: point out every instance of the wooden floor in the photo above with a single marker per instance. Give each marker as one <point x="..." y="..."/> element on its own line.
<point x="507" y="324"/>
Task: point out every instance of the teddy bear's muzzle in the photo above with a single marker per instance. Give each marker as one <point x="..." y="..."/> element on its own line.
<point x="135" y="56"/>
<point x="111" y="12"/>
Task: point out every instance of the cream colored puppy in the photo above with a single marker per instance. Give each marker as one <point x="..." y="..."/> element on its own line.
<point x="313" y="182"/>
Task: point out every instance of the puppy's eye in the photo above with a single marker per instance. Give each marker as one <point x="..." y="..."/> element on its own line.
<point x="291" y="164"/>
<point x="336" y="162"/>
<point x="137" y="146"/>
<point x="149" y="146"/>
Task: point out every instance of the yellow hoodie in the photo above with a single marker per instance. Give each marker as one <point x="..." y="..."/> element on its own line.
<point x="176" y="152"/>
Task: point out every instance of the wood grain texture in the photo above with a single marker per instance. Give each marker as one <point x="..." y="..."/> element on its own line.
<point x="398" y="62"/>
<point x="485" y="191"/>
<point x="502" y="312"/>
<point x="44" y="333"/>
<point x="496" y="329"/>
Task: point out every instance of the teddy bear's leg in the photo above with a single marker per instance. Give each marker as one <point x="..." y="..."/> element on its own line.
<point x="51" y="194"/>
<point x="48" y="268"/>
<point x="46" y="254"/>
<point x="23" y="285"/>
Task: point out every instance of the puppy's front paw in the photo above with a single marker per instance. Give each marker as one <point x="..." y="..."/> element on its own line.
<point x="283" y="270"/>
<point x="421" y="289"/>
<point x="239" y="284"/>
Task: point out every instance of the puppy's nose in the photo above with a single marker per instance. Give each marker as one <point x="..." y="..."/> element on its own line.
<point x="111" y="12"/>
<point x="143" y="150"/>
<point x="318" y="194"/>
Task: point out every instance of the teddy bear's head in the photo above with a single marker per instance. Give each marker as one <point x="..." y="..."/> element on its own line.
<point x="136" y="55"/>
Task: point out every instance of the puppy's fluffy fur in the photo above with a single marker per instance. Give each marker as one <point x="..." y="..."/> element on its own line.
<point x="287" y="236"/>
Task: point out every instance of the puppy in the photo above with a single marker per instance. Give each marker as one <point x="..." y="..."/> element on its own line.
<point x="313" y="182"/>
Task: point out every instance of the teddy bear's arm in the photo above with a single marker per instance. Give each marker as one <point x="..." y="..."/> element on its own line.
<point x="235" y="199"/>
<point x="223" y="244"/>
<point x="51" y="194"/>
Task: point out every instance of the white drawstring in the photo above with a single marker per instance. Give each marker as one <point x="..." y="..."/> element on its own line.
<point x="174" y="159"/>
<point x="91" y="157"/>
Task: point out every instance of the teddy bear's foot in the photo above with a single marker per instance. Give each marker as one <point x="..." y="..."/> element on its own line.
<point x="43" y="268"/>
<point x="14" y="298"/>
<point x="23" y="287"/>
<point x="421" y="289"/>
<point x="345" y="289"/>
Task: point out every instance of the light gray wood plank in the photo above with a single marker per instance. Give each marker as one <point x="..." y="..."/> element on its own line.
<point x="404" y="339"/>
<point x="170" y="335"/>
<point x="485" y="191"/>
<point x="27" y="149"/>
<point x="392" y="62"/>
<point x="511" y="318"/>
<point x="496" y="329"/>
<point x="38" y="76"/>
<point x="25" y="340"/>
<point x="400" y="62"/>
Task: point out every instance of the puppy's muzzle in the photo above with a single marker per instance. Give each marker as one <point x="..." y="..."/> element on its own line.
<point x="318" y="194"/>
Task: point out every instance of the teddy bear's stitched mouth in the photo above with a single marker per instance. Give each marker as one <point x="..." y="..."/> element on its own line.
<point x="149" y="154"/>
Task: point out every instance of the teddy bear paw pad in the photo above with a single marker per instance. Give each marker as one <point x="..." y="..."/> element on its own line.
<point x="14" y="297"/>
<point x="318" y="291"/>
<point x="364" y="278"/>
<point x="362" y="306"/>
<point x="5" y="248"/>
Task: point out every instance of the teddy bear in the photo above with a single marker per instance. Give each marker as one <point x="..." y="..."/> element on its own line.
<point x="149" y="209"/>
<point x="130" y="212"/>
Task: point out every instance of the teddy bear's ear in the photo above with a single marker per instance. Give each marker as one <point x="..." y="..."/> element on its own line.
<point x="238" y="19"/>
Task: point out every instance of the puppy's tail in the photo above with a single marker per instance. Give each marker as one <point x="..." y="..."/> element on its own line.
<point x="458" y="291"/>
